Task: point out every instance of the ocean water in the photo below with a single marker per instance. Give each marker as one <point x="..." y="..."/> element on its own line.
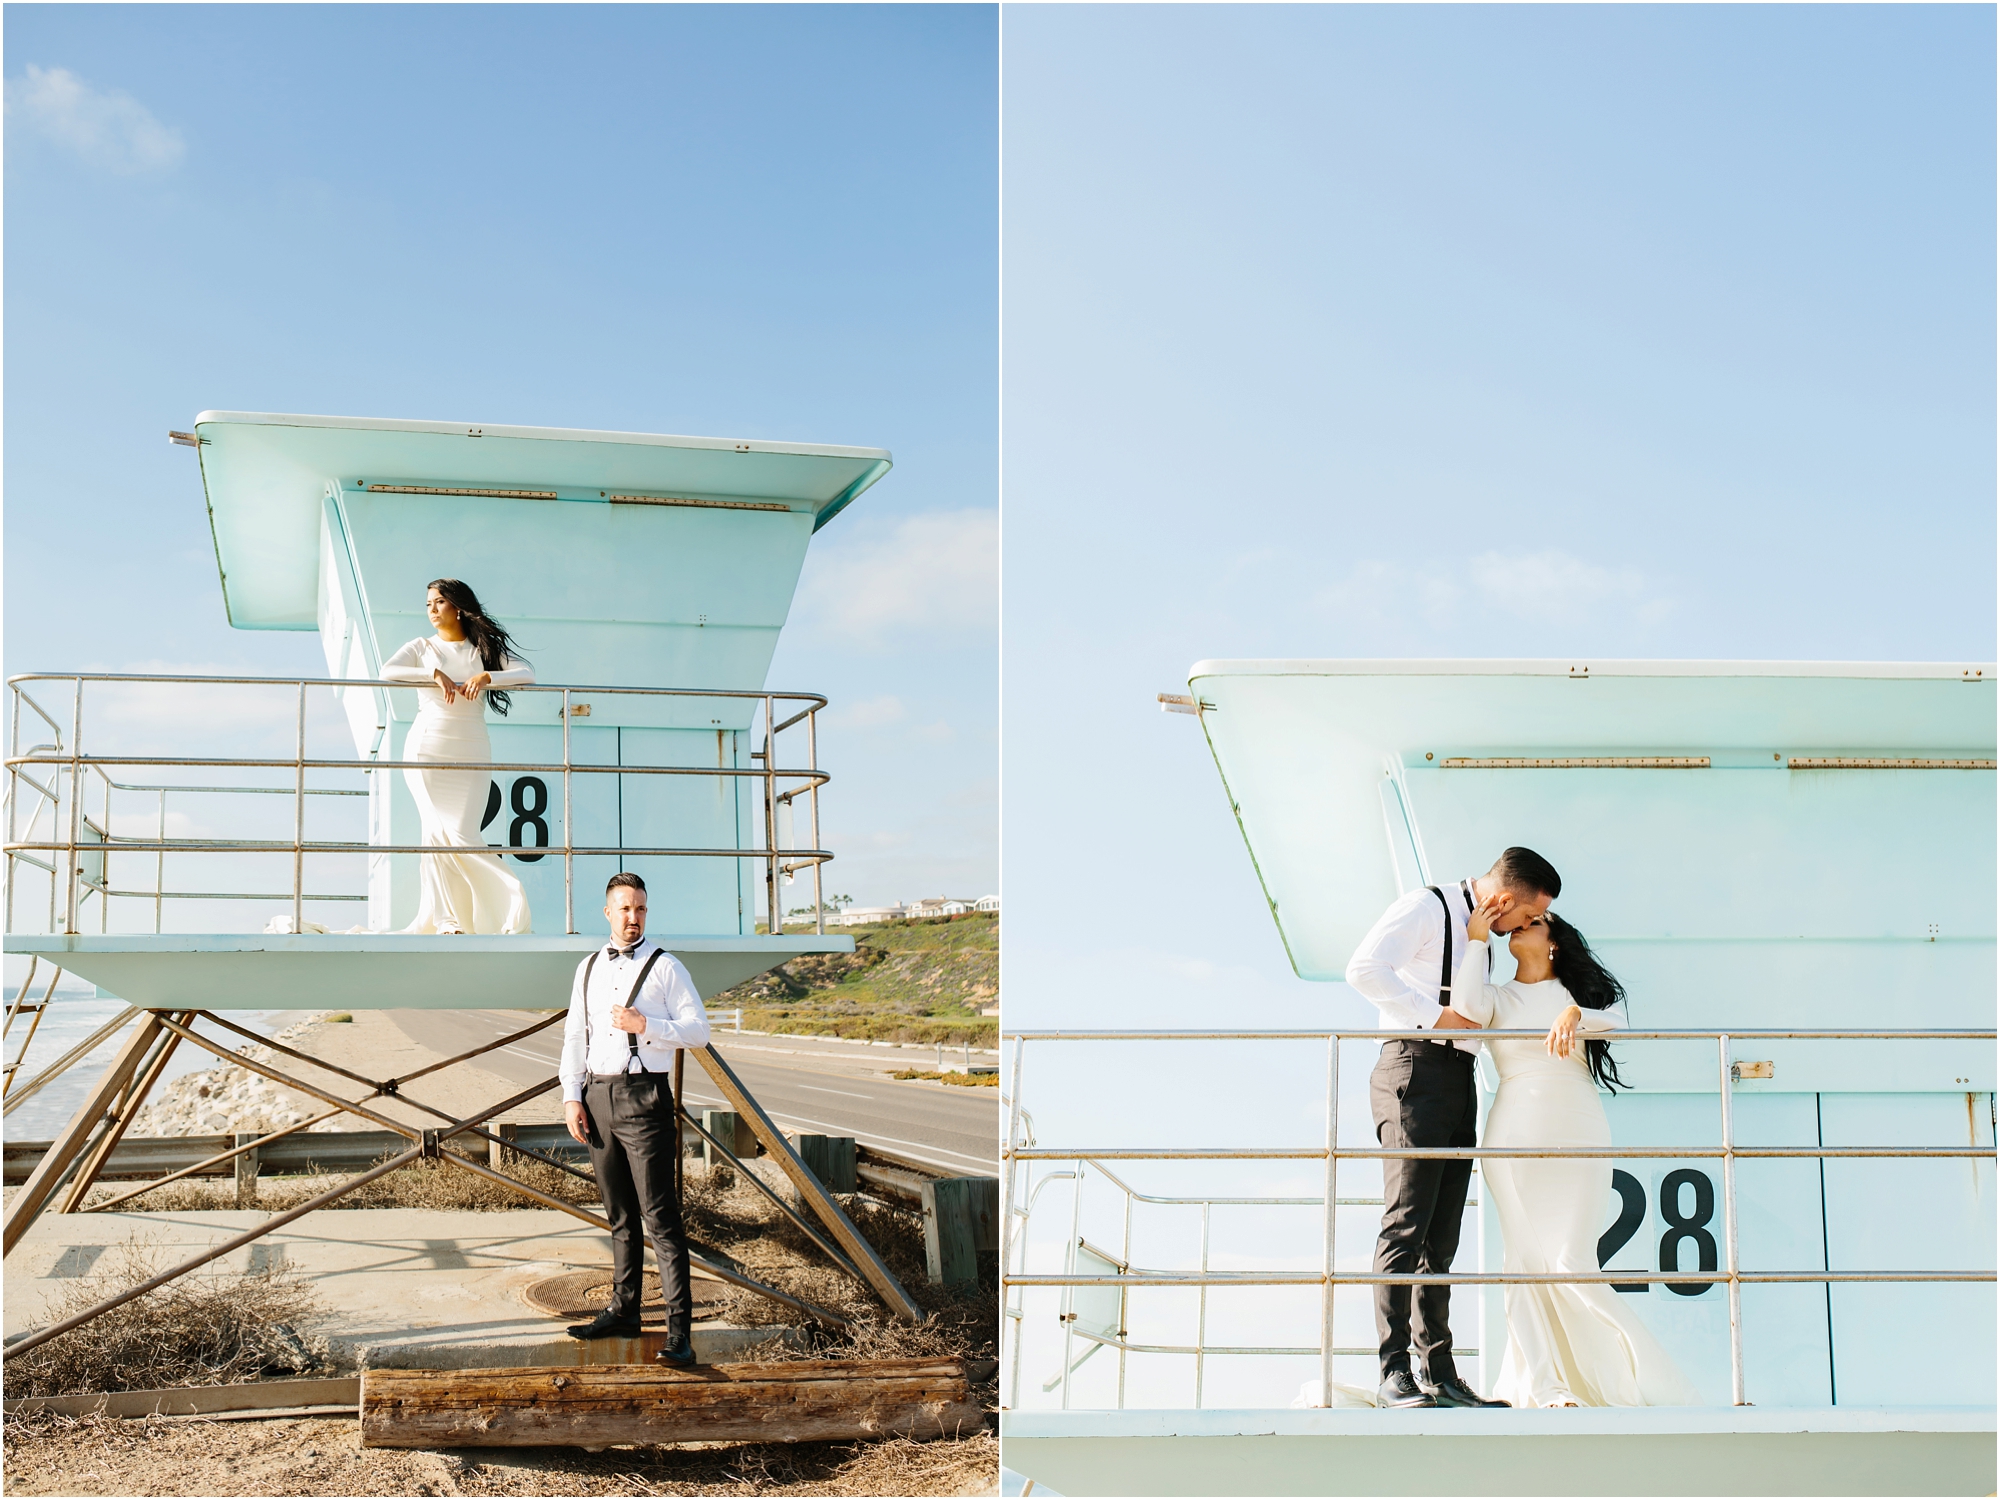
<point x="72" y="1017"/>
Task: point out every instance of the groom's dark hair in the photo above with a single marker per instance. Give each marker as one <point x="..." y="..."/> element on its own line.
<point x="624" y="877"/>
<point x="1526" y="872"/>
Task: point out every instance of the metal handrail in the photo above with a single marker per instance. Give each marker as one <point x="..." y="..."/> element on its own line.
<point x="1328" y="1277"/>
<point x="781" y="787"/>
<point x="756" y="694"/>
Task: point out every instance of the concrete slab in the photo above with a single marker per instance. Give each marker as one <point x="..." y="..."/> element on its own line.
<point x="407" y="1288"/>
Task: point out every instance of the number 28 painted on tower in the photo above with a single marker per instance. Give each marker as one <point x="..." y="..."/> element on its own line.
<point x="531" y="804"/>
<point x="1691" y="1225"/>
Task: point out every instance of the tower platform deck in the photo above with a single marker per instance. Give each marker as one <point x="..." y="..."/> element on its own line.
<point x="1873" y="1450"/>
<point x="378" y="971"/>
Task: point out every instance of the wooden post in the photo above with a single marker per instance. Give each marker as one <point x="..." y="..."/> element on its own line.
<point x="794" y="1401"/>
<point x="830" y="1158"/>
<point x="727" y="1126"/>
<point x="246" y="1168"/>
<point x="866" y="1261"/>
<point x="500" y="1155"/>
<point x="960" y="1215"/>
<point x="35" y="1193"/>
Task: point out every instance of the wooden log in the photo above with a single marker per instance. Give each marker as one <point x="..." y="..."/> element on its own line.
<point x="960" y="1220"/>
<point x="201" y="1400"/>
<point x="804" y="1401"/>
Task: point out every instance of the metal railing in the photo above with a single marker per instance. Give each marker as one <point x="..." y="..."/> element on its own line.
<point x="78" y="850"/>
<point x="1020" y="1147"/>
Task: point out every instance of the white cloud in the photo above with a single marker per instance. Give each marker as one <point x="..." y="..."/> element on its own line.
<point x="869" y="713"/>
<point x="1557" y="587"/>
<point x="105" y="127"/>
<point x="1538" y="588"/>
<point x="1384" y="593"/>
<point x="914" y="583"/>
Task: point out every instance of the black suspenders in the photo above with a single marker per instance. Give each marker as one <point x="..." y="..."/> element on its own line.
<point x="1444" y="984"/>
<point x="632" y="1038"/>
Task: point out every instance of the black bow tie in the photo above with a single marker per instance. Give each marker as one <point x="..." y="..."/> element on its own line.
<point x="614" y="951"/>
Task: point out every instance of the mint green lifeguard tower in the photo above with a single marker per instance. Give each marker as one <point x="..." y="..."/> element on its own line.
<point x="1791" y="867"/>
<point x="649" y="574"/>
<point x="645" y="577"/>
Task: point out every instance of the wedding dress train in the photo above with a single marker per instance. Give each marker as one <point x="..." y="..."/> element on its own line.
<point x="1566" y="1345"/>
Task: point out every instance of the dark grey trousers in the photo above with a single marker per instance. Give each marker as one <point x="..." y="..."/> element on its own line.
<point x="635" y="1144"/>
<point x="1422" y="1096"/>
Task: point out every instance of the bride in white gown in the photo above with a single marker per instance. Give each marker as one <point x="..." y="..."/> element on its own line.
<point x="470" y="658"/>
<point x="1575" y="1345"/>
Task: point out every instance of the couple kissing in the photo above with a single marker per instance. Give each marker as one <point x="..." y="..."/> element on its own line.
<point x="1424" y="967"/>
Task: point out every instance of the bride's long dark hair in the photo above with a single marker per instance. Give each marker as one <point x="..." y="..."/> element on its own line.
<point x="488" y="636"/>
<point x="1592" y="987"/>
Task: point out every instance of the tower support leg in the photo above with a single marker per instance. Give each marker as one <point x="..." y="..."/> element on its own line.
<point x="41" y="1185"/>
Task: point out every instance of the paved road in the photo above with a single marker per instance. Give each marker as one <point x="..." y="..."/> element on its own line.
<point x="803" y="1084"/>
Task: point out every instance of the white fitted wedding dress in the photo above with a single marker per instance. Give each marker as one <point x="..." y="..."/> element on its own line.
<point x="457" y="893"/>
<point x="1566" y="1345"/>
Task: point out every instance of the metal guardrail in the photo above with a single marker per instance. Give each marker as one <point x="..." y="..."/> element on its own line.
<point x="1020" y="1147"/>
<point x="79" y="849"/>
<point x="141" y="1158"/>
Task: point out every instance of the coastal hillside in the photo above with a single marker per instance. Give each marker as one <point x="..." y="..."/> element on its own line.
<point x="921" y="981"/>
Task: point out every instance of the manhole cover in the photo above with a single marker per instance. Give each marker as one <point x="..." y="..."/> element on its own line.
<point x="584" y="1294"/>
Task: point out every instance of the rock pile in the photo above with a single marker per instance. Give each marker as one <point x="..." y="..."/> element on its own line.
<point x="228" y="1098"/>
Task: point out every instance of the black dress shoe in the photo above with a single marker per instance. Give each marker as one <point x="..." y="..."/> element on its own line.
<point x="1400" y="1388"/>
<point x="1451" y="1391"/>
<point x="677" y="1352"/>
<point x="607" y="1325"/>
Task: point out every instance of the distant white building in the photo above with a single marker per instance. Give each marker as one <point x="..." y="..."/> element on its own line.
<point x="942" y="906"/>
<point x="865" y="916"/>
<point x="930" y="906"/>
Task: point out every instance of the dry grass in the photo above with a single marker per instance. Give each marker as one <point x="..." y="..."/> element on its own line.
<point x="923" y="982"/>
<point x="98" y="1456"/>
<point x="963" y="1080"/>
<point x="199" y="1330"/>
<point x="422" y="1184"/>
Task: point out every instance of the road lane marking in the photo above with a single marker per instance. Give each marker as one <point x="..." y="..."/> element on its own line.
<point x="916" y="1150"/>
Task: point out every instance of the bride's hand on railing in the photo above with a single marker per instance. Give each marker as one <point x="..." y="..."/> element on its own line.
<point x="445" y="686"/>
<point x="476" y="684"/>
<point x="1561" y="1040"/>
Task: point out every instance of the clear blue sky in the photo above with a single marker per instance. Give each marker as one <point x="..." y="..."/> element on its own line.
<point x="772" y="222"/>
<point x="1441" y="331"/>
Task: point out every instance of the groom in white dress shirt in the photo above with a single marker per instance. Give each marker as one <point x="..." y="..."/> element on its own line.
<point x="631" y="1007"/>
<point x="1422" y="1095"/>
